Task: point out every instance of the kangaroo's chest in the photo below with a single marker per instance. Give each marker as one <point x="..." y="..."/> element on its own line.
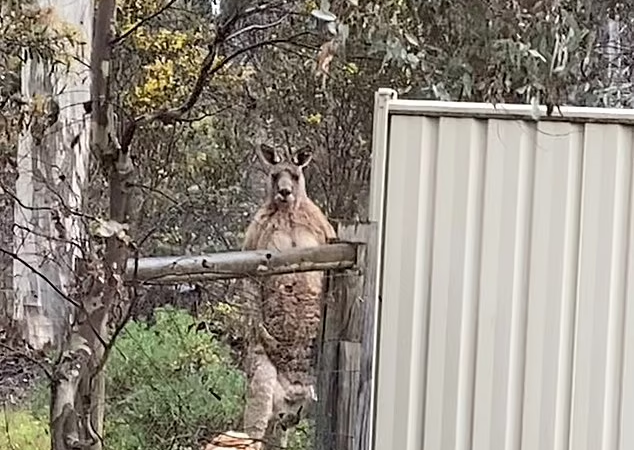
<point x="285" y="236"/>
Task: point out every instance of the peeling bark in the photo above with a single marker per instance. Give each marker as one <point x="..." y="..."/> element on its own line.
<point x="53" y="162"/>
<point x="65" y="421"/>
<point x="52" y="165"/>
<point x="117" y="162"/>
<point x="73" y="412"/>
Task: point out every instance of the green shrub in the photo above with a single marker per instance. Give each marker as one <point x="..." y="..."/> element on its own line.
<point x="168" y="384"/>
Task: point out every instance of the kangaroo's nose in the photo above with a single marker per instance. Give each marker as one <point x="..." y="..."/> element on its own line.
<point x="285" y="192"/>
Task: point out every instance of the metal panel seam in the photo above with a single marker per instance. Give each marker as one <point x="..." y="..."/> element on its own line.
<point x="477" y="259"/>
<point x="432" y="224"/>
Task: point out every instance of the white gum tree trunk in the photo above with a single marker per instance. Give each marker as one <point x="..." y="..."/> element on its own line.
<point x="53" y="157"/>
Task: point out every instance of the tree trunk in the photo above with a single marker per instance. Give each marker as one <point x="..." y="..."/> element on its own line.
<point x="7" y="178"/>
<point x="104" y="143"/>
<point x="52" y="163"/>
<point x="78" y="382"/>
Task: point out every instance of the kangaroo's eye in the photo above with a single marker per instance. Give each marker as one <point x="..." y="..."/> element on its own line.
<point x="295" y="177"/>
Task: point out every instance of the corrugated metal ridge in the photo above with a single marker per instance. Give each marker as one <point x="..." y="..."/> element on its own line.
<point x="472" y="110"/>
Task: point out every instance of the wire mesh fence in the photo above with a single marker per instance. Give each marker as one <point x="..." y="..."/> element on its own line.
<point x="177" y="375"/>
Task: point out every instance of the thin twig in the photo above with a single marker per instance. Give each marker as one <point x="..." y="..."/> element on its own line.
<point x="257" y="27"/>
<point x="55" y="288"/>
<point x="31" y="359"/>
<point x="206" y="72"/>
<point x="23" y="205"/>
<point x="204" y="116"/>
<point x="142" y="22"/>
<point x="46" y="236"/>
<point x="41" y="275"/>
<point x="207" y="69"/>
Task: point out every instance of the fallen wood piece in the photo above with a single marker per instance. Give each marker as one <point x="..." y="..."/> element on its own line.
<point x="233" y="440"/>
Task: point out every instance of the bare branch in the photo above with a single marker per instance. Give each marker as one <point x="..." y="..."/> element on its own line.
<point x="142" y="22"/>
<point x="46" y="236"/>
<point x="206" y="71"/>
<point x="24" y="355"/>
<point x="257" y="27"/>
<point x="172" y="115"/>
<point x="41" y="275"/>
<point x="68" y="209"/>
<point x="79" y="306"/>
<point x="203" y="116"/>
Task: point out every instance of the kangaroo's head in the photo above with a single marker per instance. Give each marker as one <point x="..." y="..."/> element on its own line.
<point x="286" y="186"/>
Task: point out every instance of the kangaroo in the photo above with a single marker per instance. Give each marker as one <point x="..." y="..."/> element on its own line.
<point x="287" y="307"/>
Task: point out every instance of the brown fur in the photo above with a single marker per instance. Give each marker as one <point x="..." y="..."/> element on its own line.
<point x="287" y="307"/>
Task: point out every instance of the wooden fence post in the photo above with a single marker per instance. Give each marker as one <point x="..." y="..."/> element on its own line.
<point x="346" y="347"/>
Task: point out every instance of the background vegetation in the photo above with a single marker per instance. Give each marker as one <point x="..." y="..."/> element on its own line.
<point x="174" y="377"/>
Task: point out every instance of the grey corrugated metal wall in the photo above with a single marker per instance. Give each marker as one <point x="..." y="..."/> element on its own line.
<point x="508" y="270"/>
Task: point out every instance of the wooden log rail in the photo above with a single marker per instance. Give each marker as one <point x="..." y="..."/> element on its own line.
<point x="236" y="264"/>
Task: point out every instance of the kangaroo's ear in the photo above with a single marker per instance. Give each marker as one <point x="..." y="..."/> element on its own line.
<point x="302" y="157"/>
<point x="268" y="155"/>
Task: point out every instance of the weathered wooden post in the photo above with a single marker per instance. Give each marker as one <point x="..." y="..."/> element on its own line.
<point x="346" y="347"/>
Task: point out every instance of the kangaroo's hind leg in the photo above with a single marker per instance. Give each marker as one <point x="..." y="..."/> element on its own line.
<point x="258" y="410"/>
